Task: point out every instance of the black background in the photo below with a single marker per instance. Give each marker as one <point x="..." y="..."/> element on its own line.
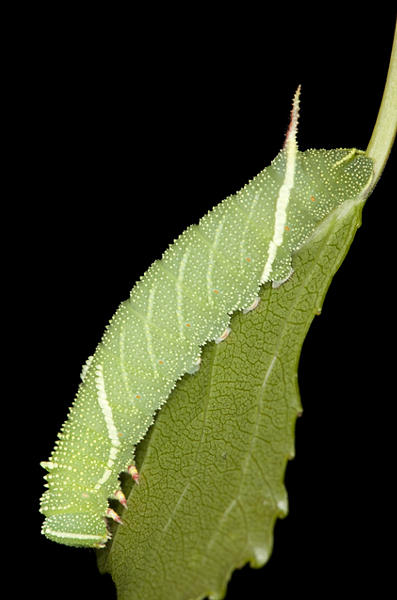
<point x="127" y="128"/>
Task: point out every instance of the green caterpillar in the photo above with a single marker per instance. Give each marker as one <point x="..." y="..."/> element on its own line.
<point x="182" y="302"/>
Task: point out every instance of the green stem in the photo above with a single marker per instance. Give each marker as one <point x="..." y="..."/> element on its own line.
<point x="384" y="132"/>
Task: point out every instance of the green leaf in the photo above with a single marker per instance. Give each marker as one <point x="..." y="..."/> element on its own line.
<point x="212" y="466"/>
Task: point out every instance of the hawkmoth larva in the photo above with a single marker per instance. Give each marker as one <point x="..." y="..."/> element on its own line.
<point x="182" y="302"/>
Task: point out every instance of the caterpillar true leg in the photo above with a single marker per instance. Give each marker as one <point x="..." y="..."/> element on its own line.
<point x="121" y="498"/>
<point x="111" y="514"/>
<point x="133" y="471"/>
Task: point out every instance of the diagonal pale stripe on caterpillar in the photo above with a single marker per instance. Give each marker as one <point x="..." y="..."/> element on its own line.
<point x="285" y="190"/>
<point x="179" y="293"/>
<point x="183" y="301"/>
<point x="148" y="332"/>
<point x="211" y="258"/>
<point x="243" y="252"/>
<point x="123" y="362"/>
<point x="108" y="416"/>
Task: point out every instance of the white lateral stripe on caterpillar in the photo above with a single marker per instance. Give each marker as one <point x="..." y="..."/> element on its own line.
<point x="108" y="416"/>
<point x="291" y="148"/>
<point x="73" y="536"/>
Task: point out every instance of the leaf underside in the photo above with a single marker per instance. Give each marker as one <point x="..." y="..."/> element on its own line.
<point x="212" y="466"/>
